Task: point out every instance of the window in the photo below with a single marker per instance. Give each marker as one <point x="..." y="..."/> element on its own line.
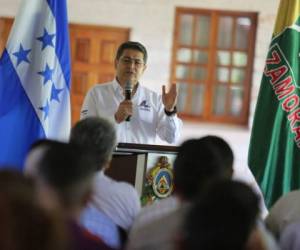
<point x="212" y="64"/>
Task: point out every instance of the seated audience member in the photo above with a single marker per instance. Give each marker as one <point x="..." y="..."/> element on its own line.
<point x="64" y="176"/>
<point x="24" y="224"/>
<point x="223" y="217"/>
<point x="290" y="237"/>
<point x="34" y="155"/>
<point x="119" y="201"/>
<point x="31" y="166"/>
<point x="91" y="218"/>
<point x="99" y="224"/>
<point x="284" y="212"/>
<point x="198" y="162"/>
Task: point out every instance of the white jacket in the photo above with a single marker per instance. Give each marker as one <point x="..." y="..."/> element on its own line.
<point x="148" y="118"/>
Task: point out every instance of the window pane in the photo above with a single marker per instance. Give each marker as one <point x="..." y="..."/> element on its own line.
<point x="182" y="96"/>
<point x="219" y="100"/>
<point x="199" y="73"/>
<point x="223" y="58"/>
<point x="236" y="101"/>
<point x="182" y="72"/>
<point x="213" y="73"/>
<point x="197" y="99"/>
<point x="225" y="32"/>
<point x="243" y="25"/>
<point x="202" y="31"/>
<point x="184" y="55"/>
<point x="237" y="75"/>
<point x="186" y="28"/>
<point x="223" y="74"/>
<point x="200" y="57"/>
<point x="239" y="59"/>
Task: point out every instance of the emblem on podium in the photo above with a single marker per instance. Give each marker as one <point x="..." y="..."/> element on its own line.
<point x="159" y="182"/>
<point x="163" y="183"/>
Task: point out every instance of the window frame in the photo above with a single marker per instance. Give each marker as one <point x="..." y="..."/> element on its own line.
<point x="207" y="114"/>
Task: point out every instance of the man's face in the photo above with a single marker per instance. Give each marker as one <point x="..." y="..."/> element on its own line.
<point x="130" y="66"/>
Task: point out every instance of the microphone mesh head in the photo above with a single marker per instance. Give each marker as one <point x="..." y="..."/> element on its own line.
<point x="128" y="86"/>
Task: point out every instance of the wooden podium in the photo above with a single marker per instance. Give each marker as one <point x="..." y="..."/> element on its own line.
<point x="131" y="161"/>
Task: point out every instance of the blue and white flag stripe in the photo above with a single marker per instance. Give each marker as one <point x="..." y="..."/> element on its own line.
<point x="35" y="84"/>
<point x="62" y="47"/>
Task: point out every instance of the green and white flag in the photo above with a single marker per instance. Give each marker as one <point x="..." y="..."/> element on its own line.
<point x="274" y="153"/>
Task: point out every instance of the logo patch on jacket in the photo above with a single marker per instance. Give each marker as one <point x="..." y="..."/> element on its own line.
<point x="144" y="105"/>
<point x="84" y="112"/>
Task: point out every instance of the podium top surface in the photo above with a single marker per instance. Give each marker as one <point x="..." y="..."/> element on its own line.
<point x="145" y="148"/>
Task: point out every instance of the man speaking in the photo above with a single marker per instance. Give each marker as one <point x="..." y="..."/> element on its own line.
<point x="139" y="113"/>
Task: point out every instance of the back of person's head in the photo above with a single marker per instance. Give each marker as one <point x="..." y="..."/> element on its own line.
<point x="134" y="46"/>
<point x="36" y="151"/>
<point x="14" y="184"/>
<point x="67" y="170"/>
<point x="200" y="161"/>
<point x="24" y="224"/>
<point x="222" y="217"/>
<point x="97" y="136"/>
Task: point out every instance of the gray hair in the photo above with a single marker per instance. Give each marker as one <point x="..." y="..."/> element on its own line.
<point x="97" y="136"/>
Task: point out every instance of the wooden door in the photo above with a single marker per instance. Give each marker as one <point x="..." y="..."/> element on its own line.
<point x="5" y="26"/>
<point x="93" y="50"/>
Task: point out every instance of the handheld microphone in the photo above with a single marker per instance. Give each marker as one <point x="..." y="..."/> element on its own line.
<point x="128" y="93"/>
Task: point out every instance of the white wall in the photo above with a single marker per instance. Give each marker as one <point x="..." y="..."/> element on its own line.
<point x="151" y="22"/>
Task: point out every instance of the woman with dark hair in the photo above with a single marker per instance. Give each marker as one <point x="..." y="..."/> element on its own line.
<point x="24" y="224"/>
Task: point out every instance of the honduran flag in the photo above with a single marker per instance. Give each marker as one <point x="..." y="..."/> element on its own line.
<point x="34" y="80"/>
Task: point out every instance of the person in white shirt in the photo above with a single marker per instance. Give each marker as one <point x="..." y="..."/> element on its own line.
<point x="142" y="116"/>
<point x="112" y="201"/>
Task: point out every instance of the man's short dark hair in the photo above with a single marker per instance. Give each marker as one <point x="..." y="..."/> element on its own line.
<point x="132" y="45"/>
<point x="97" y="136"/>
<point x="198" y="162"/>
<point x="41" y="143"/>
<point x="222" y="217"/>
<point x="68" y="170"/>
